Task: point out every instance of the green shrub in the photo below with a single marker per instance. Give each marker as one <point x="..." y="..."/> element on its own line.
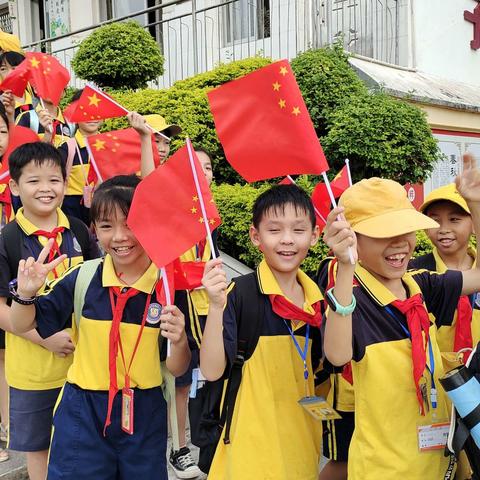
<point x="382" y="137"/>
<point x="327" y="81"/>
<point x="424" y="245"/>
<point x="119" y="55"/>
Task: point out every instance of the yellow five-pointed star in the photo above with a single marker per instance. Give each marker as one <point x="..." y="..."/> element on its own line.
<point x="195" y="198"/>
<point x="296" y="111"/>
<point x="99" y="144"/>
<point x="34" y="62"/>
<point x="212" y="221"/>
<point x="282" y="103"/>
<point x="283" y="71"/>
<point x="200" y="219"/>
<point x="94" y="100"/>
<point x="193" y="210"/>
<point x="276" y="86"/>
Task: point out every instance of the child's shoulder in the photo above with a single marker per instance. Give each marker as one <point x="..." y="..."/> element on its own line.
<point x="426" y="262"/>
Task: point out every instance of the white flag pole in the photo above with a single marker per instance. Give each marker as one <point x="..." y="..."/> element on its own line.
<point x="347" y="163"/>
<point x="93" y="163"/>
<point x="168" y="300"/>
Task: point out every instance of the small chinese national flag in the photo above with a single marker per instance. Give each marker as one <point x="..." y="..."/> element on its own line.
<point x="169" y="196"/>
<point x="17" y="80"/>
<point x="341" y="182"/>
<point x="47" y="76"/>
<point x="17" y="136"/>
<point x="93" y="104"/>
<point x="118" y="152"/>
<point x="264" y="126"/>
<point x="321" y="202"/>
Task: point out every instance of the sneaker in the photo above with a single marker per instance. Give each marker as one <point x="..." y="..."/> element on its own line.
<point x="183" y="464"/>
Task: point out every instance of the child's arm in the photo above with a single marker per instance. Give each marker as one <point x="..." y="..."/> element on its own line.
<point x="337" y="342"/>
<point x="140" y="125"/>
<point x="30" y="279"/>
<point x="172" y="327"/>
<point x="9" y="103"/>
<point x="468" y="185"/>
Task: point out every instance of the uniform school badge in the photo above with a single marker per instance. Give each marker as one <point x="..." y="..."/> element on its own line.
<point x="477" y="299"/>
<point x="153" y="314"/>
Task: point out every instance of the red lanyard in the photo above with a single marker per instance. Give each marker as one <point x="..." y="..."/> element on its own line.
<point x="116" y="341"/>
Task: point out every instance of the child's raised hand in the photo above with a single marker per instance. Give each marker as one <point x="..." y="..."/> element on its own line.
<point x="340" y="237"/>
<point x="46" y="120"/>
<point x="139" y="124"/>
<point x="8" y="101"/>
<point x="215" y="282"/>
<point x="32" y="273"/>
<point x="468" y="182"/>
<point x="172" y="323"/>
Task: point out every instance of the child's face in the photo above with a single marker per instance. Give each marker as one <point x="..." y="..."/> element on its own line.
<point x="386" y="258"/>
<point x="163" y="147"/>
<point x="119" y="241"/>
<point x="89" y="128"/>
<point x="284" y="238"/>
<point x="455" y="228"/>
<point x="206" y="164"/>
<point x="3" y="136"/>
<point x="5" y="69"/>
<point x="40" y="187"/>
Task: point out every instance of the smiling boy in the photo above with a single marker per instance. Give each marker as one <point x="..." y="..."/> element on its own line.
<point x="271" y="435"/>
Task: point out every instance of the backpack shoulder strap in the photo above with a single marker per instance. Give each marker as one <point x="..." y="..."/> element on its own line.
<point x="80" y="230"/>
<point x="84" y="278"/>
<point x="12" y="237"/>
<point x="71" y="150"/>
<point x="250" y="311"/>
<point x="34" y="120"/>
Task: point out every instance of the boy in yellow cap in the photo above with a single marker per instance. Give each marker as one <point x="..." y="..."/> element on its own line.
<point x="452" y="251"/>
<point x="382" y="319"/>
<point x="164" y="133"/>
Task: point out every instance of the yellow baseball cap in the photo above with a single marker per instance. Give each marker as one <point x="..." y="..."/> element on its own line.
<point x="158" y="123"/>
<point x="446" y="193"/>
<point x="9" y="42"/>
<point x="380" y="208"/>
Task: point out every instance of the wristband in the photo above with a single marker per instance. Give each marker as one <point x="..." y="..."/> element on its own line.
<point x="336" y="307"/>
<point x="12" y="287"/>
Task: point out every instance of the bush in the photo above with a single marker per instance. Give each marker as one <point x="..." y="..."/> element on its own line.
<point x="186" y="104"/>
<point x="327" y="81"/>
<point x="382" y="137"/>
<point x="119" y="55"/>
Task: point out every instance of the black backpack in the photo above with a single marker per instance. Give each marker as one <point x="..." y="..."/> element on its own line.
<point x="207" y="415"/>
<point x="13" y="238"/>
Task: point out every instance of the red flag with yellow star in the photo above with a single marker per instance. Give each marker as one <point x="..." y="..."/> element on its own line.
<point x="47" y="75"/>
<point x="93" y="104"/>
<point x="264" y="126"/>
<point x="119" y="152"/>
<point x="341" y="182"/>
<point x="17" y="80"/>
<point x="170" y="197"/>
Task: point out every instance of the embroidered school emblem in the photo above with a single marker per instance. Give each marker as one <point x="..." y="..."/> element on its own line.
<point x="76" y="245"/>
<point x="153" y="314"/>
<point x="477" y="299"/>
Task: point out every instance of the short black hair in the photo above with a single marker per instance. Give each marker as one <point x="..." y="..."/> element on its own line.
<point x="76" y="95"/>
<point x="14" y="59"/>
<point x="457" y="207"/>
<point x="37" y="152"/>
<point x="203" y="150"/>
<point x="277" y="197"/>
<point x="112" y="193"/>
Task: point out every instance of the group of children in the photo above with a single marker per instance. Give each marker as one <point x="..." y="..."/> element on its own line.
<point x="374" y="331"/>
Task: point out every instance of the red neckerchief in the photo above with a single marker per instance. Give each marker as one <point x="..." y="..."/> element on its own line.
<point x="55" y="124"/>
<point x="115" y="341"/>
<point x="418" y="321"/>
<point x="6" y="199"/>
<point x="200" y="248"/>
<point x="55" y="250"/>
<point x="463" y="330"/>
<point x="286" y="309"/>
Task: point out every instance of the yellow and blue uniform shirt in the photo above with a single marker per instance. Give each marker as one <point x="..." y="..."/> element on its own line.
<point x="89" y="369"/>
<point x="271" y="435"/>
<point x="63" y="129"/>
<point x="29" y="366"/>
<point x="384" y="443"/>
<point x="446" y="333"/>
<point x="25" y="105"/>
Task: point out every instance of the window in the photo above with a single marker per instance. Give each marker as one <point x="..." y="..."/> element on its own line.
<point x="246" y="20"/>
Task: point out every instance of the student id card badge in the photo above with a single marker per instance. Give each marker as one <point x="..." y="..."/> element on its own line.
<point x="319" y="408"/>
<point x="127" y="410"/>
<point x="433" y="436"/>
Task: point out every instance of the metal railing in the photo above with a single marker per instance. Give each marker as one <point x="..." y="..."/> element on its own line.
<point x="196" y="39"/>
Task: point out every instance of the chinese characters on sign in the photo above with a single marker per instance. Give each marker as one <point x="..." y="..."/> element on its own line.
<point x="58" y="12"/>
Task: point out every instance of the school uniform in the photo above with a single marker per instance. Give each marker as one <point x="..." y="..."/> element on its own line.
<point x="34" y="374"/>
<point x="271" y="435"/>
<point x="446" y="333"/>
<point x="61" y="128"/>
<point x="79" y="448"/>
<point x="25" y="105"/>
<point x="385" y="442"/>
<point x="79" y="177"/>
